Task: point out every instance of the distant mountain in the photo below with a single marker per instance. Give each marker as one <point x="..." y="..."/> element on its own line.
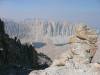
<point x="37" y="30"/>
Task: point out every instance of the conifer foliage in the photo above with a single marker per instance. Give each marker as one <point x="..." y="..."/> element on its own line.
<point x="15" y="55"/>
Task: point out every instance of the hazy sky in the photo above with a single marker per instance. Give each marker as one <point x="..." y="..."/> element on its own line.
<point x="87" y="11"/>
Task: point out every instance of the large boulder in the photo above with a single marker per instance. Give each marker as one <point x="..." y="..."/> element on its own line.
<point x="86" y="33"/>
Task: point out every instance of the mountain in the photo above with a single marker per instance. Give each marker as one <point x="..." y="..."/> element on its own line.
<point x="48" y="37"/>
<point x="37" y="30"/>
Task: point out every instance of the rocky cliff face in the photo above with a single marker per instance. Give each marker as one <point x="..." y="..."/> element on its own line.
<point x="38" y="30"/>
<point x="77" y="60"/>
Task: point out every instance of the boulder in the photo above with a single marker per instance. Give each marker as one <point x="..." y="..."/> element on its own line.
<point x="83" y="69"/>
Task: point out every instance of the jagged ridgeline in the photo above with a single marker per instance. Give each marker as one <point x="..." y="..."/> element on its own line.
<point x="39" y="30"/>
<point x="15" y="55"/>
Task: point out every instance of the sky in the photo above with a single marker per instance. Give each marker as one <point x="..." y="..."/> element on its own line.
<point x="87" y="11"/>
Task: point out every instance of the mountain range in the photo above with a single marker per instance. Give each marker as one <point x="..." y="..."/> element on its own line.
<point x="48" y="37"/>
<point x="37" y="30"/>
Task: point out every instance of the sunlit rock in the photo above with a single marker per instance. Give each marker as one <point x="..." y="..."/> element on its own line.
<point x="77" y="60"/>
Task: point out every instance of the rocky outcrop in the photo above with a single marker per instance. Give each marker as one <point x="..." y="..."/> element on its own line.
<point x="77" y="60"/>
<point x="97" y="54"/>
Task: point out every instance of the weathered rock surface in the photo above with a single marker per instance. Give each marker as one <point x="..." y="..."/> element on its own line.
<point x="96" y="57"/>
<point x="65" y="70"/>
<point x="77" y="60"/>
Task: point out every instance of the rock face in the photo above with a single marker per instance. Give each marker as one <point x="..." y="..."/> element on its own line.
<point x="77" y="60"/>
<point x="97" y="54"/>
<point x="36" y="30"/>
